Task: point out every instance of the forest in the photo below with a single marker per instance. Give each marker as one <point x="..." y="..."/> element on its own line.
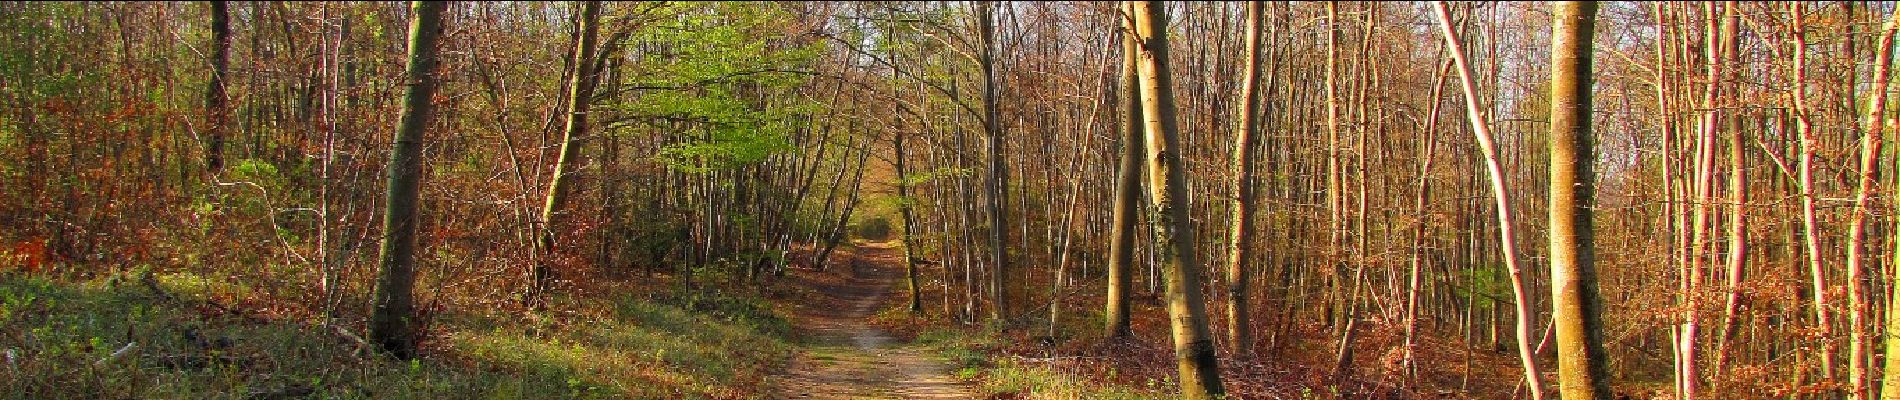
<point x="949" y="199"/>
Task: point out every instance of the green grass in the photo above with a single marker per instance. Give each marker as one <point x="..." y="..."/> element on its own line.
<point x="969" y="352"/>
<point x="58" y="340"/>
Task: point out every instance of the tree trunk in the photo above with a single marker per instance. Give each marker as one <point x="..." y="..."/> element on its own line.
<point x="1167" y="186"/>
<point x="1811" y="237"/>
<point x="1582" y="372"/>
<point x="1506" y="233"/>
<point x="1701" y="225"/>
<point x="1335" y="226"/>
<point x="392" y="322"/>
<point x="1738" y="199"/>
<point x="836" y="234"/>
<point x="1239" y="322"/>
<point x="1420" y="216"/>
<point x="215" y="100"/>
<point x="999" y="173"/>
<point x="1890" y="381"/>
<point x="580" y="93"/>
<point x="904" y="203"/>
<point x="1128" y="210"/>
<point x="1858" y="289"/>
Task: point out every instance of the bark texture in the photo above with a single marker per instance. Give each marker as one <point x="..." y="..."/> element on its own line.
<point x="1127" y="212"/>
<point x="1167" y="187"/>
<point x="1576" y="309"/>
<point x="392" y="322"/>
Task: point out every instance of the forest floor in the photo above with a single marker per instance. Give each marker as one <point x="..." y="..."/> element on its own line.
<point x="847" y="357"/>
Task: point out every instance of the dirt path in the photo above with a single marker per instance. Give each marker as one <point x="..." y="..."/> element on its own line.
<point x="848" y="358"/>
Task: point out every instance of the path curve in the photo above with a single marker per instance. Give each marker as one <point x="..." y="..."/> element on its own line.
<point x="847" y="357"/>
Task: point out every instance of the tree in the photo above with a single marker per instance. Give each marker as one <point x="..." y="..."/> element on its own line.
<point x="1890" y="377"/>
<point x="904" y="203"/>
<point x="998" y="184"/>
<point x="580" y="98"/>
<point x="1858" y="290"/>
<point x="1581" y="368"/>
<point x="1506" y="237"/>
<point x="1809" y="221"/>
<point x="1167" y="188"/>
<point x="1127" y="208"/>
<point x="215" y="107"/>
<point x="392" y="322"/>
<point x="1738" y="198"/>
<point x="1239" y="322"/>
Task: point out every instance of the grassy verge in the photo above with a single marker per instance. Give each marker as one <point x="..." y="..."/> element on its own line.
<point x="979" y="356"/>
<point x="109" y="340"/>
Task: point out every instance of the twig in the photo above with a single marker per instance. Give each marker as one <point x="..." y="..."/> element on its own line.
<point x="103" y="361"/>
<point x="361" y="345"/>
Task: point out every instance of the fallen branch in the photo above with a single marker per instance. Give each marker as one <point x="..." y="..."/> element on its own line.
<point x="103" y="361"/>
<point x="361" y="345"/>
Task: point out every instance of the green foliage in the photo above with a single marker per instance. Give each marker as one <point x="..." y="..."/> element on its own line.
<point x="921" y="177"/>
<point x="704" y="89"/>
<point x="1484" y="281"/>
<point x="723" y="147"/>
<point x="37" y="71"/>
<point x="9" y="133"/>
<point x="874" y="228"/>
<point x="257" y="171"/>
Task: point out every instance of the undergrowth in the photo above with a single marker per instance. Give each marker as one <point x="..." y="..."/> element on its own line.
<point x="979" y="356"/>
<point x="123" y="339"/>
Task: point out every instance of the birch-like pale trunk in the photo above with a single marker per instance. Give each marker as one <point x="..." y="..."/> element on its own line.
<point x="1239" y="275"/>
<point x="1860" y="347"/>
<point x="1811" y="236"/>
<point x="1890" y="375"/>
<point x="1501" y="194"/>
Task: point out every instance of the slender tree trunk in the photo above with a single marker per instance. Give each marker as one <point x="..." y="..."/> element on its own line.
<point x="1413" y="276"/>
<point x="1167" y="186"/>
<point x="904" y="204"/>
<point x="1811" y="237"/>
<point x="580" y="96"/>
<point x="1239" y="276"/>
<point x="836" y="233"/>
<point x="1506" y="233"/>
<point x="1582" y="372"/>
<point x="1066" y="246"/>
<point x="1688" y="375"/>
<point x="1335" y="226"/>
<point x="1738" y="199"/>
<point x="823" y="232"/>
<point x="999" y="172"/>
<point x="1671" y="195"/>
<point x="1128" y="210"/>
<point x="1858" y="287"/>
<point x="215" y="98"/>
<point x="392" y="322"/>
<point x="1890" y="381"/>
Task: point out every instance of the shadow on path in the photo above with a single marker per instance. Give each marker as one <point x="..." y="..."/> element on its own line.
<point x="846" y="356"/>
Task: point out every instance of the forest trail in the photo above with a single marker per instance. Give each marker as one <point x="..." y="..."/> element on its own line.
<point x="846" y="357"/>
